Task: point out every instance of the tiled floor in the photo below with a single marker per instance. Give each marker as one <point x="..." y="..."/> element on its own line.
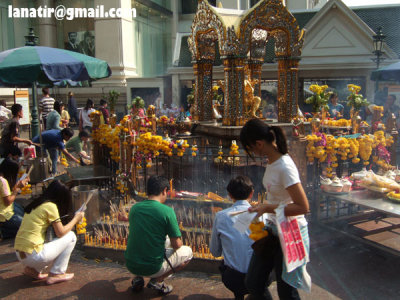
<point x="341" y="268"/>
<point x="101" y="280"/>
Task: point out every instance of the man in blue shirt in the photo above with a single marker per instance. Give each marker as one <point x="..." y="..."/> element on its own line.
<point x="335" y="109"/>
<point x="226" y="240"/>
<point x="53" y="140"/>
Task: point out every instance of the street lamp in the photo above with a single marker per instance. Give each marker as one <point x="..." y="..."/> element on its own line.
<point x="31" y="40"/>
<point x="379" y="40"/>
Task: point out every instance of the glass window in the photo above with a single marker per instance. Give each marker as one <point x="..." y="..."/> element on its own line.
<point x="153" y="46"/>
<point x="76" y="35"/>
<point x="253" y="2"/>
<point x="7" y="25"/>
<point x="190" y="6"/>
<point x="164" y="3"/>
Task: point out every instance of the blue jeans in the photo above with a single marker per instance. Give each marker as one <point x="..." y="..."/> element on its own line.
<point x="10" y="228"/>
<point x="53" y="152"/>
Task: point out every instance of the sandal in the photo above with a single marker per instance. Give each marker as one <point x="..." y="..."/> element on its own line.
<point x="57" y="278"/>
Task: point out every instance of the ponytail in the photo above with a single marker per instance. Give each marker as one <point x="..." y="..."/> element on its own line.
<point x="89" y="104"/>
<point x="255" y="130"/>
<point x="280" y="139"/>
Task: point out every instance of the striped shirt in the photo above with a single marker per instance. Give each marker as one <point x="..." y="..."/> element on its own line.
<point x="46" y="105"/>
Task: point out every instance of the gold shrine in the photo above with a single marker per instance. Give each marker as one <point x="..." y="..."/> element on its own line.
<point x="241" y="39"/>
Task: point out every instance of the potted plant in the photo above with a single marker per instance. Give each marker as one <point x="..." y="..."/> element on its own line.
<point x="319" y="101"/>
<point x="356" y="101"/>
<point x="113" y="96"/>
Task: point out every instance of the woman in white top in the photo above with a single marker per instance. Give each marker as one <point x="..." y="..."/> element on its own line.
<point x="84" y="117"/>
<point x="282" y="182"/>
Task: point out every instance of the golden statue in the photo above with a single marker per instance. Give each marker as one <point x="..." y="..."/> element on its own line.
<point x="151" y="111"/>
<point x="251" y="103"/>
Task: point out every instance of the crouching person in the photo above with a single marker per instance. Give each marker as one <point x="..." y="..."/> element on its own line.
<point x="30" y="246"/>
<point x="150" y="252"/>
<point x="229" y="242"/>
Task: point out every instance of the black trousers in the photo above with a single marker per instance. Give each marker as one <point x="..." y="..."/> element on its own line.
<point x="258" y="276"/>
<point x="233" y="280"/>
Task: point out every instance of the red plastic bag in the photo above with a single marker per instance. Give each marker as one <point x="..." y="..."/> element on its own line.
<point x="294" y="251"/>
<point x="29" y="152"/>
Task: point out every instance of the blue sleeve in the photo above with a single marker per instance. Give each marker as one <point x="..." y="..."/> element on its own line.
<point x="215" y="244"/>
<point x="61" y="146"/>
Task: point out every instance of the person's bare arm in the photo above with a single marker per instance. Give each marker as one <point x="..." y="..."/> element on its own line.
<point x="299" y="206"/>
<point x="62" y="230"/>
<point x="8" y="200"/>
<point x="70" y="156"/>
<point x="83" y="155"/>
<point x="19" y="140"/>
<point x="176" y="243"/>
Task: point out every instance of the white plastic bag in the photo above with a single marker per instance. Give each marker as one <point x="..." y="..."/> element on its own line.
<point x="294" y="251"/>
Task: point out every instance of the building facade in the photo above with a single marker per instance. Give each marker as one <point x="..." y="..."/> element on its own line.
<point x="149" y="56"/>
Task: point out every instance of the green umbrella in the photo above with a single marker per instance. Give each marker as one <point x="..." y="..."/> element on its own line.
<point x="31" y="65"/>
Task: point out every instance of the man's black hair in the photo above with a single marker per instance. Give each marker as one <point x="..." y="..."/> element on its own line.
<point x="3" y="103"/>
<point x="67" y="132"/>
<point x="45" y="91"/>
<point x="102" y="102"/>
<point x="156" y="185"/>
<point x="240" y="188"/>
<point x="84" y="133"/>
<point x="15" y="109"/>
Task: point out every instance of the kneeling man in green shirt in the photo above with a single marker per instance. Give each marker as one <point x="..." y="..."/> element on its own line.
<point x="155" y="246"/>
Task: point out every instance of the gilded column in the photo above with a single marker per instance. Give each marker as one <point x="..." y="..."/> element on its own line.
<point x="229" y="93"/>
<point x="255" y="73"/>
<point x="207" y="89"/>
<point x="294" y="86"/>
<point x="287" y="89"/>
<point x="282" y="91"/>
<point x="239" y="95"/>
<point x="203" y="91"/>
<point x="196" y="92"/>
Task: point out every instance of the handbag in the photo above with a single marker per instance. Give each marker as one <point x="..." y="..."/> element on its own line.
<point x="266" y="246"/>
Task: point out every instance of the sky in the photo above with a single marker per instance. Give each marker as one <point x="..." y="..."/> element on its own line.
<point x="369" y="2"/>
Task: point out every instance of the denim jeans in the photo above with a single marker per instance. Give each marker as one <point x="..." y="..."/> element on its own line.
<point x="10" y="228"/>
<point x="259" y="272"/>
<point x="53" y="152"/>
